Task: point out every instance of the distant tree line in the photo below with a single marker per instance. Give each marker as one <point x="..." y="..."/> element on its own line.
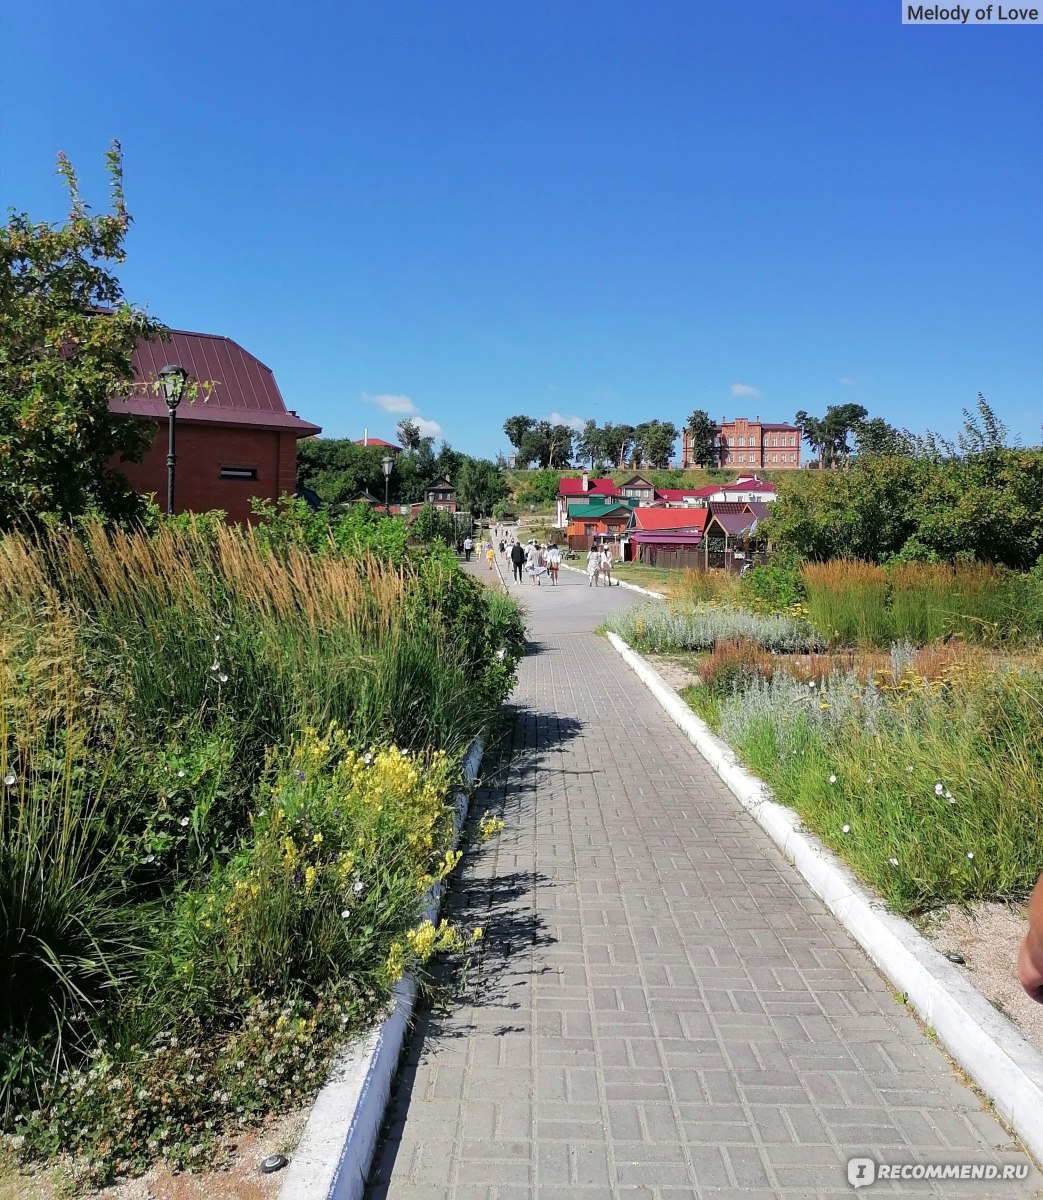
<point x="547" y="446"/>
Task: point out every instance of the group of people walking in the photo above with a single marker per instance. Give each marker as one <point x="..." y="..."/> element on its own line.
<point x="599" y="566"/>
<point x="533" y="559"/>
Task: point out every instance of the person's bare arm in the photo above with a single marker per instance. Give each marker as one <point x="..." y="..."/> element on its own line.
<point x="1030" y="957"/>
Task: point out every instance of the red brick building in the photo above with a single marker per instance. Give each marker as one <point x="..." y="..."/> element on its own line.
<point x="743" y="443"/>
<point x="238" y="443"/>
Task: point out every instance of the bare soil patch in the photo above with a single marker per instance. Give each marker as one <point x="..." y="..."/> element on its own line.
<point x="238" y="1177"/>
<point x="679" y="670"/>
<point x="987" y="934"/>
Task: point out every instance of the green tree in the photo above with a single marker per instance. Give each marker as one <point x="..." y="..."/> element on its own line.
<point x="702" y="438"/>
<point x="479" y="485"/>
<point x="877" y="437"/>
<point x="617" y="443"/>
<point x="66" y="339"/>
<point x="431" y="523"/>
<point x="337" y="469"/>
<point x="446" y="462"/>
<point x="828" y="435"/>
<point x="516" y="428"/>
<point x="535" y="446"/>
<point x="654" y="443"/>
<point x="559" y="442"/>
<point x="408" y="434"/>
<point x="589" y="445"/>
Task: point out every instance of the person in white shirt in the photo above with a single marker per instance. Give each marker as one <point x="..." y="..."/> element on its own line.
<point x="553" y="563"/>
<point x="593" y="566"/>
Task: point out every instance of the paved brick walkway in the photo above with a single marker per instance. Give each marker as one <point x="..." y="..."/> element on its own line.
<point x="664" y="1009"/>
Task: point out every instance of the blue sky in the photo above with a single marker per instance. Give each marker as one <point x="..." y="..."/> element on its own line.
<point x="598" y="209"/>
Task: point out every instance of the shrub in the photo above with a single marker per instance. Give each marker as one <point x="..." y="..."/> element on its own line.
<point x="773" y="588"/>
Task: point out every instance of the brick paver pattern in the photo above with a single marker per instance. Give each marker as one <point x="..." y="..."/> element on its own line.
<point x="662" y="1008"/>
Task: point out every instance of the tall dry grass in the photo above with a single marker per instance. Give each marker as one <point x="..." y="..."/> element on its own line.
<point x="847" y="602"/>
<point x="860" y="604"/>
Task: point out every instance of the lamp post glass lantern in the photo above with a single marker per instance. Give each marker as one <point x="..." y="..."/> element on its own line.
<point x="387" y="462"/>
<point x="173" y="378"/>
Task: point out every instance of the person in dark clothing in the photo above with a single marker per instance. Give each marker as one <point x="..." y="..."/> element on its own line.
<point x="517" y="560"/>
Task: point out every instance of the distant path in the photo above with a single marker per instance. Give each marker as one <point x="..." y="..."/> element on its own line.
<point x="665" y="1010"/>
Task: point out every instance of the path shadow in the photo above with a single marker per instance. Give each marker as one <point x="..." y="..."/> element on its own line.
<point x="493" y="996"/>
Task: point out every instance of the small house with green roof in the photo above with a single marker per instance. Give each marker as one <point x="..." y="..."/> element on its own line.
<point x="589" y="519"/>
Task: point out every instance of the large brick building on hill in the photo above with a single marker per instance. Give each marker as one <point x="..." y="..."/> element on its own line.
<point x="238" y="443"/>
<point x="743" y="443"/>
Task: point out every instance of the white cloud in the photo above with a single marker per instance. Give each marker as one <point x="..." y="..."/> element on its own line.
<point x="392" y="404"/>
<point x="428" y="428"/>
<point x="575" y="423"/>
<point x="744" y="389"/>
<point x="403" y="406"/>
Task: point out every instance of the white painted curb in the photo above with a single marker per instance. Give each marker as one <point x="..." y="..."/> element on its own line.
<point x="631" y="587"/>
<point x="1007" y="1067"/>
<point x="336" y="1150"/>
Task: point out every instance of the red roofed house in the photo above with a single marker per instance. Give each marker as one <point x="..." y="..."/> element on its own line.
<point x="666" y="536"/>
<point x="574" y="488"/>
<point x="238" y="443"/>
<point x="387" y="447"/>
<point x="746" y="443"/>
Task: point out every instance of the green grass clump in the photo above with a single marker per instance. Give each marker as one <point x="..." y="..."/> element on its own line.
<point x="931" y="791"/>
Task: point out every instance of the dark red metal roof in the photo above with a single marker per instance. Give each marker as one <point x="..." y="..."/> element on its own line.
<point x="244" y="392"/>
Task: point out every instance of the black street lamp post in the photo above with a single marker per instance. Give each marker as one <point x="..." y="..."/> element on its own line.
<point x="387" y="462"/>
<point x="173" y="378"/>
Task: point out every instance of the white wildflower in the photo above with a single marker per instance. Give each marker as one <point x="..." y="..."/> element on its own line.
<point x="845" y="829"/>
<point x="184" y="822"/>
<point x="970" y="853"/>
<point x="893" y="862"/>
<point x="10" y="779"/>
<point x="832" y="779"/>
<point x="939" y="789"/>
